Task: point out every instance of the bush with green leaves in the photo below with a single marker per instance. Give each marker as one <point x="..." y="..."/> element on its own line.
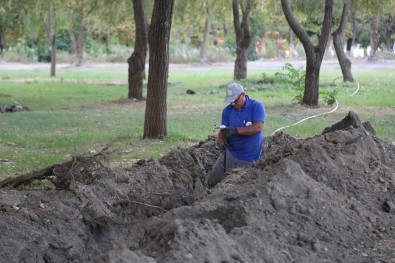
<point x="43" y="52"/>
<point x="293" y="77"/>
<point x="63" y="42"/>
<point x="330" y="95"/>
<point x="21" y="51"/>
<point x="229" y="42"/>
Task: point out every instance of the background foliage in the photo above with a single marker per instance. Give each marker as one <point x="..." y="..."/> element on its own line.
<point x="108" y="28"/>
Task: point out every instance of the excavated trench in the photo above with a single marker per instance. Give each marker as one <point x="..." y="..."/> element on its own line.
<point x="329" y="198"/>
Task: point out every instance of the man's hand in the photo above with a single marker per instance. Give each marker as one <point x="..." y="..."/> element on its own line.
<point x="229" y="132"/>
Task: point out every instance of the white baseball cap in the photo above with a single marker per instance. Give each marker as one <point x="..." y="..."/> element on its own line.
<point x="233" y="90"/>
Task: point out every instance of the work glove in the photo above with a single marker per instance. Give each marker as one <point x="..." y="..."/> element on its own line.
<point x="229" y="132"/>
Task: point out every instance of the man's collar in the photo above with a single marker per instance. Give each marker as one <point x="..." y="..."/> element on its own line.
<point x="247" y="102"/>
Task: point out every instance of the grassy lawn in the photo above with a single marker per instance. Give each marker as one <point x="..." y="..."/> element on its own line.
<point x="71" y="116"/>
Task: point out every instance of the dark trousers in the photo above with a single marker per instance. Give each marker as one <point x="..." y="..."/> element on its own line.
<point x="225" y="162"/>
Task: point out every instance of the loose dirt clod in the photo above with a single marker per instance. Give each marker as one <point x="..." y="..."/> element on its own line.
<point x="329" y="198"/>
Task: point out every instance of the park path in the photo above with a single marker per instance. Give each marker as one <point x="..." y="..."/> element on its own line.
<point x="276" y="64"/>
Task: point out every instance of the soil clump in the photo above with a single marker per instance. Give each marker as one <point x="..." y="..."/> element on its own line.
<point x="329" y="198"/>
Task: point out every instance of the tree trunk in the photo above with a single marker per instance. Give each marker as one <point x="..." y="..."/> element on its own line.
<point x="225" y="26"/>
<point x="243" y="39"/>
<point x="155" y="122"/>
<point x="77" y="43"/>
<point x="314" y="54"/>
<point x="137" y="60"/>
<point x="177" y="41"/>
<point x="53" y="43"/>
<point x="354" y="30"/>
<point x="203" y="43"/>
<point x="53" y="55"/>
<point x="240" y="71"/>
<point x="345" y="63"/>
<point x="80" y="41"/>
<point x="374" y="37"/>
<point x="2" y="41"/>
<point x="71" y="34"/>
<point x="99" y="38"/>
<point x="312" y="82"/>
<point x="389" y="30"/>
<point x="50" y="30"/>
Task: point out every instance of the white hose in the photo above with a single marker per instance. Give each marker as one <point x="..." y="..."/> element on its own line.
<point x="318" y="115"/>
<point x="358" y="86"/>
<point x="305" y="119"/>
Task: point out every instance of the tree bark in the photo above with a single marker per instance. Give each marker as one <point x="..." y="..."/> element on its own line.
<point x="374" y="37"/>
<point x="345" y="63"/>
<point x="389" y="30"/>
<point x="137" y="60"/>
<point x="155" y="122"/>
<point x="80" y="41"/>
<point x="99" y="38"/>
<point x="243" y="38"/>
<point x="354" y="30"/>
<point x="314" y="54"/>
<point x="77" y="42"/>
<point x="203" y="43"/>
<point x="51" y="29"/>
<point x="53" y="55"/>
<point x="2" y="41"/>
<point x="312" y="82"/>
<point x="53" y="43"/>
<point x="225" y="27"/>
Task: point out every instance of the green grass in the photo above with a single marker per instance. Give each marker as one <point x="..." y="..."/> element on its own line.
<point x="64" y="75"/>
<point x="71" y="117"/>
<point x="44" y="96"/>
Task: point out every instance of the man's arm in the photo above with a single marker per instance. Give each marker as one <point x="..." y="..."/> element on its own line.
<point x="246" y="131"/>
<point x="250" y="130"/>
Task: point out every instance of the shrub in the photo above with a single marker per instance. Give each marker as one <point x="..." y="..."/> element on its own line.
<point x="21" y="52"/>
<point x="295" y="78"/>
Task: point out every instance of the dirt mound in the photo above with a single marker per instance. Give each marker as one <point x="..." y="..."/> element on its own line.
<point x="327" y="198"/>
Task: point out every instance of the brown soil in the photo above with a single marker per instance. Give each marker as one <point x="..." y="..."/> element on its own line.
<point x="329" y="198"/>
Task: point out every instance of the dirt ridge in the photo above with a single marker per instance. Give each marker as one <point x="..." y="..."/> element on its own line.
<point x="326" y="198"/>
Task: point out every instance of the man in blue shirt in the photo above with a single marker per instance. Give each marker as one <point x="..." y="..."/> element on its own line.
<point x="241" y="132"/>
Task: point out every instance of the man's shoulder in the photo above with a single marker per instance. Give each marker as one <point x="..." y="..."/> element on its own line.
<point x="255" y="102"/>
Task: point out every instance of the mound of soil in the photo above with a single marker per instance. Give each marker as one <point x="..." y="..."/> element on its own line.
<point x="329" y="198"/>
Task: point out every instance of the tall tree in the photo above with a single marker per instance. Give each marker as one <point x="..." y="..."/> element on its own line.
<point x="345" y="63"/>
<point x="389" y="31"/>
<point x="203" y="42"/>
<point x="51" y="28"/>
<point x="137" y="60"/>
<point x="11" y="16"/>
<point x="243" y="37"/>
<point x="76" y="13"/>
<point x="370" y="10"/>
<point x="155" y="122"/>
<point x="374" y="37"/>
<point x="35" y="18"/>
<point x="314" y="53"/>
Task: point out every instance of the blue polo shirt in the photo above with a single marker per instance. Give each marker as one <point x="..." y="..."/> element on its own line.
<point x="247" y="148"/>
